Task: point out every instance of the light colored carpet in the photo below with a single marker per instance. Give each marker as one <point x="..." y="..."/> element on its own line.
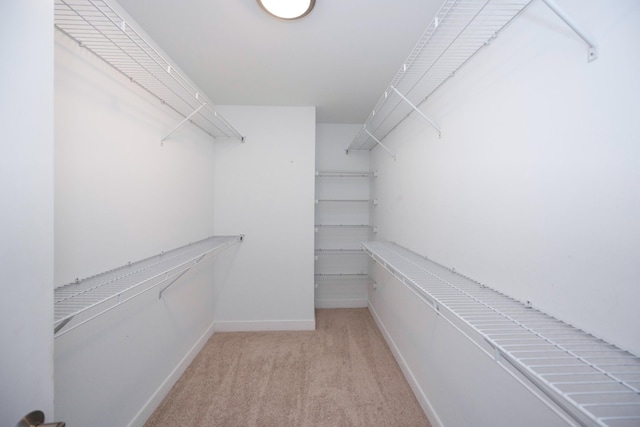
<point x="341" y="374"/>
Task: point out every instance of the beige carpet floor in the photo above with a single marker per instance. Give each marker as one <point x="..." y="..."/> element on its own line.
<point x="341" y="374"/>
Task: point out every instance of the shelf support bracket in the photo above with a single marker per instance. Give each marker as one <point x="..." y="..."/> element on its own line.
<point x="380" y="143"/>
<point x="175" y="279"/>
<point x="404" y="98"/>
<point x="183" y="122"/>
<point x="593" y="50"/>
<point x="62" y="324"/>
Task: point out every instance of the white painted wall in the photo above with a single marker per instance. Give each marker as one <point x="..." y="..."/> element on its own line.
<point x="264" y="189"/>
<point x="534" y="187"/>
<point x="340" y="291"/>
<point x="331" y="141"/>
<point x="26" y="217"/>
<point x="120" y="196"/>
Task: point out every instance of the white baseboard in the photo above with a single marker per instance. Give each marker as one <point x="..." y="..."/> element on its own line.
<point x="158" y="396"/>
<point x="342" y="303"/>
<point x="406" y="370"/>
<point x="265" y="325"/>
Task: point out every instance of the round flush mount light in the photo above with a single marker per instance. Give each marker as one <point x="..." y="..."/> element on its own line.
<point x="287" y="9"/>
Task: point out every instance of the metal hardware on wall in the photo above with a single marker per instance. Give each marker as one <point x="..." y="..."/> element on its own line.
<point x="99" y="28"/>
<point x="183" y="122"/>
<point x="588" y="379"/>
<point x="379" y="143"/>
<point x="592" y="53"/>
<point x="417" y="110"/>
<point x="458" y="32"/>
<point x="87" y="299"/>
<point x="342" y="275"/>
<point x="343" y="174"/>
<point x="460" y="29"/>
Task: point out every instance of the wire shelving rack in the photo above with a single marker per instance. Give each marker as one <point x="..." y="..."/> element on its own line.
<point x="339" y="251"/>
<point x="595" y="382"/>
<point x="344" y="174"/>
<point x="458" y="31"/>
<point x="84" y="300"/>
<point x="98" y="27"/>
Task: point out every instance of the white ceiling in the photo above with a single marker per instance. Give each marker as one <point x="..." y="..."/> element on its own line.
<point x="339" y="58"/>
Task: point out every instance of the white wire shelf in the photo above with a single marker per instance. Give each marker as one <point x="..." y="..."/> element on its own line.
<point x="343" y="201"/>
<point x="366" y="226"/>
<point x="95" y="25"/>
<point x="459" y="30"/>
<point x="596" y="383"/>
<point x="356" y="276"/>
<point x="339" y="251"/>
<point x="344" y="174"/>
<point x="355" y="228"/>
<point x="84" y="300"/>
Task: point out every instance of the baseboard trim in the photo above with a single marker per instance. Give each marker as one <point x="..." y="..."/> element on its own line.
<point x="158" y="396"/>
<point x="406" y="370"/>
<point x="342" y="303"/>
<point x="265" y="325"/>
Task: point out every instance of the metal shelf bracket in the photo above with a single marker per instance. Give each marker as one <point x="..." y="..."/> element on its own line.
<point x="416" y="109"/>
<point x="175" y="279"/>
<point x="459" y="30"/>
<point x="557" y="362"/>
<point x="380" y="143"/>
<point x="185" y="120"/>
<point x="592" y="53"/>
<point x="84" y="300"/>
<point x="96" y="26"/>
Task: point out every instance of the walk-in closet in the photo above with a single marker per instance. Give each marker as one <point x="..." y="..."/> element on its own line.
<point x="419" y="212"/>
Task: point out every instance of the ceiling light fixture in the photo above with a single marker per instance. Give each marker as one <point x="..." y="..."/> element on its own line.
<point x="287" y="9"/>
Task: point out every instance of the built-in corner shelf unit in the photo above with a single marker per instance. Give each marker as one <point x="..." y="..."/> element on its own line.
<point x="84" y="300"/>
<point x="587" y="380"/>
<point x="342" y="222"/>
<point x="98" y="27"/>
<point x="459" y="30"/>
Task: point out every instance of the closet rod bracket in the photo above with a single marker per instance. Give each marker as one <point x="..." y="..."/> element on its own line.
<point x="186" y="119"/>
<point x="380" y="143"/>
<point x="592" y="53"/>
<point x="404" y="98"/>
<point x="175" y="279"/>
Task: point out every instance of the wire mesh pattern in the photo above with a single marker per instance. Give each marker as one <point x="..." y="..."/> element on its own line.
<point x="339" y="251"/>
<point x="459" y="30"/>
<point x="366" y="226"/>
<point x="98" y="27"/>
<point x="343" y="200"/>
<point x="105" y="291"/>
<point x="596" y="382"/>
<point x="343" y="174"/>
<point x="355" y="276"/>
